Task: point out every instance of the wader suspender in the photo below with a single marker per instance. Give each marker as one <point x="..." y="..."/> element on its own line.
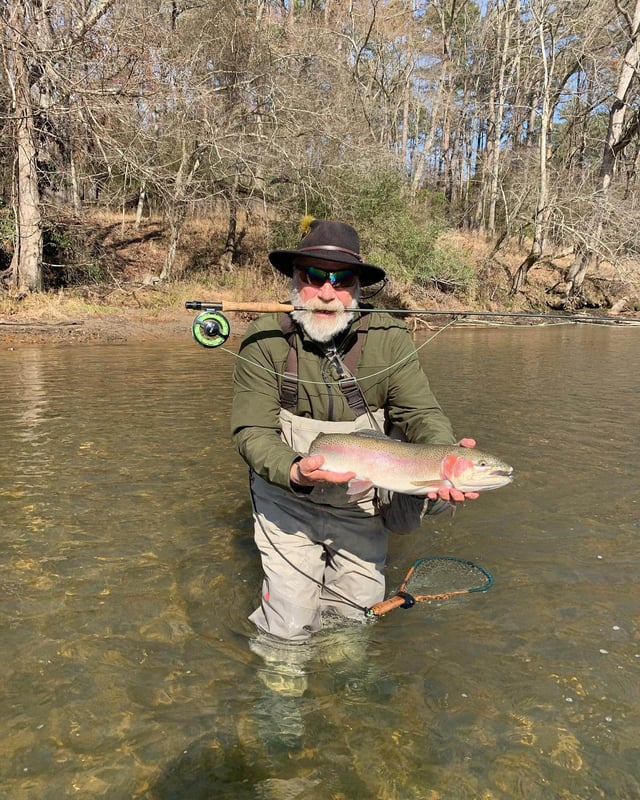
<point x="347" y="385"/>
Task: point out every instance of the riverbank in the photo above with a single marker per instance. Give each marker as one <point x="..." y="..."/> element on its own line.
<point x="72" y="325"/>
<point x="114" y="328"/>
<point x="100" y="314"/>
<point x="133" y="305"/>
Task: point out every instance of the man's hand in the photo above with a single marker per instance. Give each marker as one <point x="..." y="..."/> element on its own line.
<point x="450" y="494"/>
<point x="307" y="472"/>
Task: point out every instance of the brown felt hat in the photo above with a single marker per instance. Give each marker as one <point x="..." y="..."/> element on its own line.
<point x="332" y="241"/>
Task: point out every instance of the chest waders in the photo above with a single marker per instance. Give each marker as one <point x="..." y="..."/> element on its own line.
<point x="303" y="581"/>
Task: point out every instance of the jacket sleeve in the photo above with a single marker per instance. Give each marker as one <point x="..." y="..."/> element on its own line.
<point x="411" y="404"/>
<point x="255" y="420"/>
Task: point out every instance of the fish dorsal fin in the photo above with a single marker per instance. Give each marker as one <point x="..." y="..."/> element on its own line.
<point x="371" y="434"/>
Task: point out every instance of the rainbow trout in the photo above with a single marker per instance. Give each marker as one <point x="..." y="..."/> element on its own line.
<point x="408" y="468"/>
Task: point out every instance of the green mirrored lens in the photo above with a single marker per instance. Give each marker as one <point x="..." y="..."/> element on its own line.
<point x="317" y="277"/>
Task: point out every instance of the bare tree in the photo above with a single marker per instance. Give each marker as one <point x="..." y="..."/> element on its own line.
<point x="624" y="127"/>
<point x="36" y="39"/>
<point x="547" y="50"/>
<point x="26" y="267"/>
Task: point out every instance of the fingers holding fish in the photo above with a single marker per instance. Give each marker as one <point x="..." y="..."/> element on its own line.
<point x="308" y="471"/>
<point x="451" y="494"/>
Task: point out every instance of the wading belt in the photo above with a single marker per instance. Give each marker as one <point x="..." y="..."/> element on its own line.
<point x="347" y="384"/>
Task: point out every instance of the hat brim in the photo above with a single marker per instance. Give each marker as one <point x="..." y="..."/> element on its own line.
<point x="369" y="274"/>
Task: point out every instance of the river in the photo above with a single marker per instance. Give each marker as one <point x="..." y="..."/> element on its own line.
<point x="127" y="571"/>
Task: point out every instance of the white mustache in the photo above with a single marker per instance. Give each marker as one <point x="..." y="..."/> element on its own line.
<point x="314" y="305"/>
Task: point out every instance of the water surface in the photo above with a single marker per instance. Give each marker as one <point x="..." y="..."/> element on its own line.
<point x="127" y="571"/>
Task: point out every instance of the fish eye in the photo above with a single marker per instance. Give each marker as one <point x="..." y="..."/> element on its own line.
<point x="482" y="463"/>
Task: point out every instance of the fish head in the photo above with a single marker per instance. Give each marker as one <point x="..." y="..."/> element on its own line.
<point x="471" y="470"/>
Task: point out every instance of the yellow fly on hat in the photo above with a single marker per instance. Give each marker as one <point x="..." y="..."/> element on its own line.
<point x="330" y="241"/>
<point x="305" y="224"/>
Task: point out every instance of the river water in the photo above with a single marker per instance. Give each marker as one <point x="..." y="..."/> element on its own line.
<point x="127" y="571"/>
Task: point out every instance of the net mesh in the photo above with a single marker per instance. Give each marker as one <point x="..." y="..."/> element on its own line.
<point x="439" y="575"/>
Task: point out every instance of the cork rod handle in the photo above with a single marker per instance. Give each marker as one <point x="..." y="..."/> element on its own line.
<point x="258" y="308"/>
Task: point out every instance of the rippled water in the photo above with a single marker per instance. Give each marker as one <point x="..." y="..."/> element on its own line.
<point x="127" y="571"/>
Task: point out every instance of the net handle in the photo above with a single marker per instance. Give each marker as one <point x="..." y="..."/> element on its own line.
<point x="405" y="600"/>
<point x="400" y="600"/>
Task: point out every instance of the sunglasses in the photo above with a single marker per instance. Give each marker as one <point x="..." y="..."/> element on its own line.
<point x="340" y="279"/>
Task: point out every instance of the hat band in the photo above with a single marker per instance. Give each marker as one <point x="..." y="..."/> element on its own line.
<point x="330" y="247"/>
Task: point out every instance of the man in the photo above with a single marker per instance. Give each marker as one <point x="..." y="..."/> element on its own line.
<point x="322" y="553"/>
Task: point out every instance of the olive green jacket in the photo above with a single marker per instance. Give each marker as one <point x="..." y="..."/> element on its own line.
<point x="389" y="374"/>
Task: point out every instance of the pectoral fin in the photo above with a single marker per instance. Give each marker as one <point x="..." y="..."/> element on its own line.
<point x="430" y="485"/>
<point x="358" y="488"/>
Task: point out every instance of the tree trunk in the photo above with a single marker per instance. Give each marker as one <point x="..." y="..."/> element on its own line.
<point x="26" y="264"/>
<point x="140" y="207"/>
<point x="175" y="220"/>
<point x="543" y="208"/>
<point x="76" y="195"/>
<point x="226" y="259"/>
<point x="178" y="206"/>
<point x="617" y="138"/>
<point x="505" y="22"/>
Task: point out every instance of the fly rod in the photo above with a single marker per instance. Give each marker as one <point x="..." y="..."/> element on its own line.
<point x="211" y="328"/>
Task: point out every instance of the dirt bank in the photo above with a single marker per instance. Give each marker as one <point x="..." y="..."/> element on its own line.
<point x="127" y="326"/>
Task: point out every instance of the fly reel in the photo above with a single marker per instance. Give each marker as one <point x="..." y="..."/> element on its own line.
<point x="210" y="329"/>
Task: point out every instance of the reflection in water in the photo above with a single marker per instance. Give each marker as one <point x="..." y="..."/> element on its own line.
<point x="127" y="572"/>
<point x="33" y="398"/>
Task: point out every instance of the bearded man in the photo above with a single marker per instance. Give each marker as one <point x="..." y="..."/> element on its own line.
<point x="331" y="366"/>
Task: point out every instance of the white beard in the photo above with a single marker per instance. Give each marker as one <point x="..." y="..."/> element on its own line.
<point x="319" y="327"/>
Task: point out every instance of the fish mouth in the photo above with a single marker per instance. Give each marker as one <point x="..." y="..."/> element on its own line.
<point x="502" y="476"/>
<point x="490" y="480"/>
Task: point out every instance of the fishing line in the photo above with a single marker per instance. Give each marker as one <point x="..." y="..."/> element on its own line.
<point x="211" y="328"/>
<point x="320" y="584"/>
<point x="382" y="371"/>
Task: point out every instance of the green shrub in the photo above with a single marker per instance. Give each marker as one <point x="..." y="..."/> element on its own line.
<point x="395" y="233"/>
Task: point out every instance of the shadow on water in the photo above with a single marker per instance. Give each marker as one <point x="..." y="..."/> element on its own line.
<point x="226" y="768"/>
<point x="285" y="739"/>
<point x="223" y="767"/>
<point x="210" y="769"/>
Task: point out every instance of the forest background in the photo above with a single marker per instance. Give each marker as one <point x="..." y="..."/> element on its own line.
<point x="487" y="152"/>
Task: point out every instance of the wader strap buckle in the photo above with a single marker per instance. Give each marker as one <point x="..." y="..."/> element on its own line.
<point x="289" y="390"/>
<point x="351" y="391"/>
